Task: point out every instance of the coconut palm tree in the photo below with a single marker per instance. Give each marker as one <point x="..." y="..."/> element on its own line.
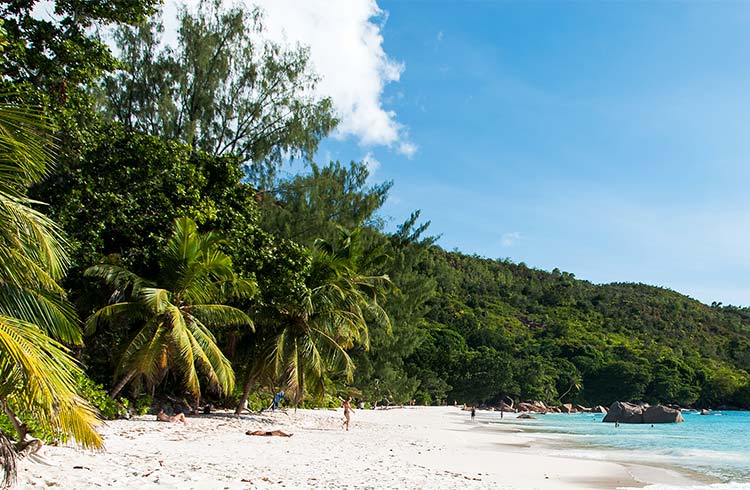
<point x="176" y="312"/>
<point x="575" y="381"/>
<point x="316" y="331"/>
<point x="37" y="373"/>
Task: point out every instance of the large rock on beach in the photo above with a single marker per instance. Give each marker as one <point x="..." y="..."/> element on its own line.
<point x="541" y="407"/>
<point x="599" y="409"/>
<point x="661" y="415"/>
<point x="536" y="406"/>
<point x="567" y="408"/>
<point x="526" y="416"/>
<point x="506" y="407"/>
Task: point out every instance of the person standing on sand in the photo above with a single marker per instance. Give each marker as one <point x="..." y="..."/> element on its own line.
<point x="347" y="409"/>
<point x="473" y="413"/>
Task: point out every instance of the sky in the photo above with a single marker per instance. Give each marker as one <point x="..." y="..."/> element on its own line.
<point x="607" y="139"/>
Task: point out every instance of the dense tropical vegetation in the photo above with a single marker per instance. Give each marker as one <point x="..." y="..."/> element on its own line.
<point x="196" y="278"/>
<point x="171" y="233"/>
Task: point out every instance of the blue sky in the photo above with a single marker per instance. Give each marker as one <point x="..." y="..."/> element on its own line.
<point x="606" y="139"/>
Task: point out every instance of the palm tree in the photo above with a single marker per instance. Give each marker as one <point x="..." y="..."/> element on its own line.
<point x="332" y="316"/>
<point x="575" y="381"/>
<point x="175" y="317"/>
<point x="38" y="373"/>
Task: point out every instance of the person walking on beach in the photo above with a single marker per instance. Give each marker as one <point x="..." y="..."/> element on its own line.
<point x="473" y="413"/>
<point x="347" y="409"/>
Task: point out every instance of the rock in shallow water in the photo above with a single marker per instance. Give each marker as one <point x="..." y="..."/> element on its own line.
<point x="629" y="413"/>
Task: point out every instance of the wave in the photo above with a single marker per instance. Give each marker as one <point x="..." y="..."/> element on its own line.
<point x="702" y="457"/>
<point x="713" y="486"/>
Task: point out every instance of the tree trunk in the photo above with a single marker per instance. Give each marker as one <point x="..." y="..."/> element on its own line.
<point x="196" y="410"/>
<point x="300" y="389"/>
<point x="572" y="385"/>
<point x="20" y="427"/>
<point x="245" y="393"/>
<point x="119" y="386"/>
<point x="506" y="399"/>
<point x="231" y="346"/>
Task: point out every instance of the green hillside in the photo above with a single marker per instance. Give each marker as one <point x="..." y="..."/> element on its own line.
<point x="546" y="335"/>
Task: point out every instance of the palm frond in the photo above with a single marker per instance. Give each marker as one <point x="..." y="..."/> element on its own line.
<point x="37" y="372"/>
<point x="336" y="350"/>
<point x="220" y="316"/>
<point x="47" y="374"/>
<point x="184" y="244"/>
<point x="109" y="313"/>
<point x="117" y="277"/>
<point x="30" y="231"/>
<point x="217" y="264"/>
<point x="19" y="267"/>
<point x="156" y="300"/>
<point x="144" y="352"/>
<point x="183" y="345"/>
<point x="189" y="282"/>
<point x="237" y="288"/>
<point x="48" y="311"/>
<point x="79" y="416"/>
<point x="211" y="359"/>
<point x="25" y="149"/>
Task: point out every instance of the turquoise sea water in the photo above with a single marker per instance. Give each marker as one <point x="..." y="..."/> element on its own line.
<point x="717" y="445"/>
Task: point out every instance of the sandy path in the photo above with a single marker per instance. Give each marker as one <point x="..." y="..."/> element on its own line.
<point x="434" y="447"/>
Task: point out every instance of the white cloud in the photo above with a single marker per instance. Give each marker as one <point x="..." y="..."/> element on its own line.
<point x="371" y="163"/>
<point x="346" y="50"/>
<point x="510" y="239"/>
<point x="440" y="36"/>
<point x="407" y="148"/>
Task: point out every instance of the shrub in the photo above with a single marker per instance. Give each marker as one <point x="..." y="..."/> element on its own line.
<point x="143" y="404"/>
<point x="94" y="393"/>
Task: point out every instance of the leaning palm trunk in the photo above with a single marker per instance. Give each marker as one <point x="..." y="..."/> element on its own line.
<point x="121" y="384"/>
<point x="299" y="396"/>
<point x="8" y="458"/>
<point x="245" y="393"/>
<point x="20" y="427"/>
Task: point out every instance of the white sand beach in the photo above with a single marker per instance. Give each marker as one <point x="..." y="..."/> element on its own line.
<point x="415" y="447"/>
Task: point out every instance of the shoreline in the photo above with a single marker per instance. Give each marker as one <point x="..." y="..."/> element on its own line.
<point x="532" y="443"/>
<point x="646" y="474"/>
<point x="411" y="447"/>
<point x="645" y="466"/>
<point x="643" y="474"/>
